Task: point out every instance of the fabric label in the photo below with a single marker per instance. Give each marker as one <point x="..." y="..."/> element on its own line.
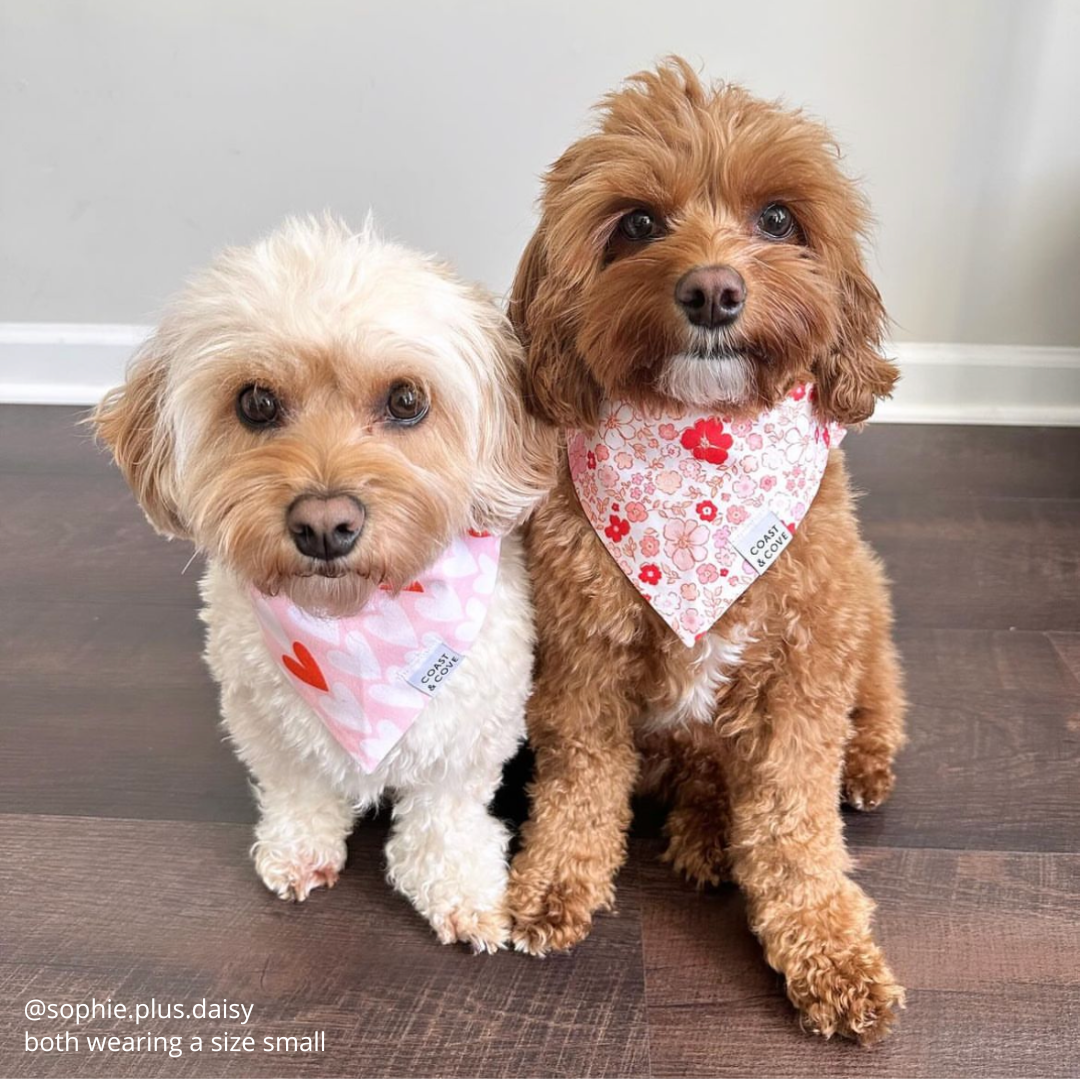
<point x="430" y="673"/>
<point x="762" y="541"/>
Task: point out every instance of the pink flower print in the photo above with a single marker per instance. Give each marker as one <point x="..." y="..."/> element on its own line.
<point x="736" y="515"/>
<point x="608" y="476"/>
<point x="669" y="481"/>
<point x="623" y="460"/>
<point x="636" y="512"/>
<point x="742" y="428"/>
<point x="688" y="591"/>
<point x="721" y="535"/>
<point x="691" y="620"/>
<point x="685" y="543"/>
<point x="691" y="469"/>
<point x="602" y="452"/>
<point x="706" y="510"/>
<point x="749" y="463"/>
<point x="745" y="487"/>
<point x="706" y="573"/>
<point x="767" y="482"/>
<point x="667" y="431"/>
<point x="650" y="488"/>
<point x="637" y="478"/>
<point x="619" y="425"/>
<point x="650" y="547"/>
<point x="617" y="528"/>
<point x="635" y="493"/>
<point x="754" y="441"/>
<point x="650" y="574"/>
<point x="708" y="441"/>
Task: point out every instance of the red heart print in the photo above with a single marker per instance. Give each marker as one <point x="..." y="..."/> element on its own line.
<point x="414" y="587"/>
<point x="307" y="670"/>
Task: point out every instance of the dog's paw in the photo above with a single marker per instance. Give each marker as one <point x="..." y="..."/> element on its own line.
<point x="855" y="996"/>
<point x="483" y="931"/>
<point x="292" y="874"/>
<point x="552" y="916"/>
<point x="696" y="847"/>
<point x="868" y="782"/>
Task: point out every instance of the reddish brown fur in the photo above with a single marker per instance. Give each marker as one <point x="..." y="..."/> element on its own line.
<point x="755" y="794"/>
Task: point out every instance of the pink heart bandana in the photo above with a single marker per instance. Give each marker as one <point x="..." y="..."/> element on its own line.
<point x="369" y="676"/>
<point x="695" y="507"/>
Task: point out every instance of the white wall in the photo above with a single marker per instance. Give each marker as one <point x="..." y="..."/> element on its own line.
<point x="137" y="137"/>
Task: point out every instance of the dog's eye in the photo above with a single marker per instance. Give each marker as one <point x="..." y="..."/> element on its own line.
<point x="640" y="225"/>
<point x="258" y="407"/>
<point x="776" y="222"/>
<point x="406" y="403"/>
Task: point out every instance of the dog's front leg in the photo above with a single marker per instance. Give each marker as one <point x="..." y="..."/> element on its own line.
<point x="788" y="854"/>
<point x="447" y="854"/>
<point x="300" y="838"/>
<point x="575" y="839"/>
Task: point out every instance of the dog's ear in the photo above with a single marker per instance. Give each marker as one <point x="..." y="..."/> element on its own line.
<point x="558" y="386"/>
<point x="854" y="374"/>
<point x="130" y="421"/>
<point x="516" y="455"/>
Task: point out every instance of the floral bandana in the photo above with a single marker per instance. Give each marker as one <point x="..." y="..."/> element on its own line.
<point x="694" y="508"/>
<point x="369" y="676"/>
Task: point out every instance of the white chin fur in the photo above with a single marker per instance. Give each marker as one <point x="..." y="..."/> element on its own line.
<point x="696" y="381"/>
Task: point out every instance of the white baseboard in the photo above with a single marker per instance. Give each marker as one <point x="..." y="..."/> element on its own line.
<point x="984" y="384"/>
<point x="74" y="364"/>
<point x="64" y="363"/>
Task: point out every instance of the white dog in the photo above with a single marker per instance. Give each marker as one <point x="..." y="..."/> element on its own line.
<point x="338" y="423"/>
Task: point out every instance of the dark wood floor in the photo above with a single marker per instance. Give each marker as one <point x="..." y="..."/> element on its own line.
<point x="124" y="821"/>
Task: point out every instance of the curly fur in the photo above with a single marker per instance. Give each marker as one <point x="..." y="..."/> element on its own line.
<point x="796" y="689"/>
<point x="330" y="321"/>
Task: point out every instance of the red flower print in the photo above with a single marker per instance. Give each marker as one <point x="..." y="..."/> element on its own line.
<point x="708" y="441"/>
<point x="617" y="528"/>
<point x="706" y="510"/>
<point x="590" y="460"/>
<point x="650" y="574"/>
<point x="798" y="393"/>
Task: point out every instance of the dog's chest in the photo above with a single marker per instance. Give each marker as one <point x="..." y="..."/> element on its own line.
<point x="694" y="683"/>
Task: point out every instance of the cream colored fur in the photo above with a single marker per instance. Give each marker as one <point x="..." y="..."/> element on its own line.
<point x="329" y="322"/>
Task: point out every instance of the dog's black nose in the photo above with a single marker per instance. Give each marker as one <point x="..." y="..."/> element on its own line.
<point x="325" y="527"/>
<point x="711" y="296"/>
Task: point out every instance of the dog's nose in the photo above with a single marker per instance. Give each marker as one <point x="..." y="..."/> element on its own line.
<point x="711" y="296"/>
<point x="325" y="527"/>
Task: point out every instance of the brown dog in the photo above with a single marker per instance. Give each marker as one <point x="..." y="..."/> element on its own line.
<point x="701" y="249"/>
